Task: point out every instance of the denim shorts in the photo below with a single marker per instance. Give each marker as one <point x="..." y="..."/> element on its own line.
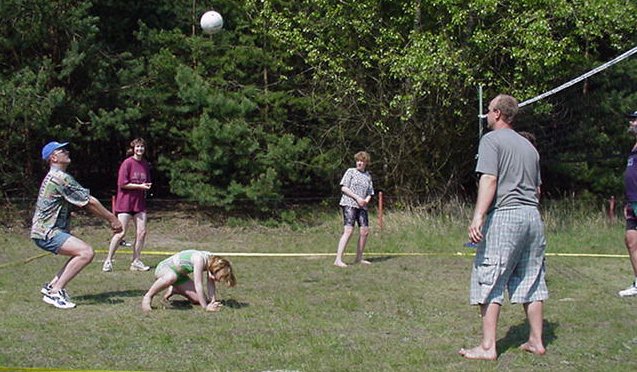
<point x="53" y="244"/>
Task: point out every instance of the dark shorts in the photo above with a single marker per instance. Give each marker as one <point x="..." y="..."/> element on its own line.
<point x="53" y="244"/>
<point x="352" y="215"/>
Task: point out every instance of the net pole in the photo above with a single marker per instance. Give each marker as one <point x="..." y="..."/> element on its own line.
<point x="480" y="114"/>
<point x="380" y="211"/>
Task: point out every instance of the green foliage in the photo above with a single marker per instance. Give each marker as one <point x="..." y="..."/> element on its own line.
<point x="42" y="45"/>
<point x="222" y="150"/>
<point x="406" y="72"/>
<point x="275" y="105"/>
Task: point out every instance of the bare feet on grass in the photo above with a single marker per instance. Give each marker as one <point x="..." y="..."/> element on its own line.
<point x="532" y="348"/>
<point x="146" y="304"/>
<point x="340" y="264"/>
<point x="364" y="262"/>
<point x="478" y="353"/>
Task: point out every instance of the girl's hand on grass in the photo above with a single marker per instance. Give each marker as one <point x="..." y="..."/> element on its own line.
<point x="214" y="306"/>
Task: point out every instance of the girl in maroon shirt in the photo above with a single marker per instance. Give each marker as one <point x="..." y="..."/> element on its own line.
<point x="133" y="181"/>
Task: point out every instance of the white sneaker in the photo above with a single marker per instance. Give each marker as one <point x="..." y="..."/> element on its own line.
<point x="59" y="300"/>
<point x="108" y="266"/>
<point x="46" y="288"/>
<point x="138" y="265"/>
<point x="628" y="292"/>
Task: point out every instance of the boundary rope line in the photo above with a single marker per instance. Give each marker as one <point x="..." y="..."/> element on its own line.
<point x="369" y="254"/>
<point x="374" y="254"/>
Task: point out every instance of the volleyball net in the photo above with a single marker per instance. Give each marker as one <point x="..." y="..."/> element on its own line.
<point x="580" y="78"/>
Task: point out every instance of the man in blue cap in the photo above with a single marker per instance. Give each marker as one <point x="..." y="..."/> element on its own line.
<point x="630" y="210"/>
<point x="58" y="193"/>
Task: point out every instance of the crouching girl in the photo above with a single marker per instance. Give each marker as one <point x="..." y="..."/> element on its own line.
<point x="172" y="273"/>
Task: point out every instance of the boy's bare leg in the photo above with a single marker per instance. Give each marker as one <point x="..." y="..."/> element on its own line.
<point x="347" y="233"/>
<point x="362" y="240"/>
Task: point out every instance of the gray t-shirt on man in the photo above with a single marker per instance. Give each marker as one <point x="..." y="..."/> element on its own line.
<point x="515" y="162"/>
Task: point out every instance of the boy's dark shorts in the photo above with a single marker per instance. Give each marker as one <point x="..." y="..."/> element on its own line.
<point x="352" y="215"/>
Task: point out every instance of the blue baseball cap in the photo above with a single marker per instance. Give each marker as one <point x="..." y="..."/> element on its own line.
<point x="632" y="115"/>
<point x="48" y="149"/>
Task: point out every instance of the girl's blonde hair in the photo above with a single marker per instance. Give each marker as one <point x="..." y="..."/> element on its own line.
<point x="222" y="266"/>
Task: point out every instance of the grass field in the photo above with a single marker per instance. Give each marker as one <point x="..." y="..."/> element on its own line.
<point x="403" y="313"/>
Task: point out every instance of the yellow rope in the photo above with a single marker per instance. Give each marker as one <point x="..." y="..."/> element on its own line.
<point x="375" y="254"/>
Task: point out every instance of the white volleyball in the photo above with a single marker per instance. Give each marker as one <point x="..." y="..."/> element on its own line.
<point x="211" y="22"/>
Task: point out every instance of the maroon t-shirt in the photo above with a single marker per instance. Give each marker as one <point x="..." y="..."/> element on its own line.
<point x="131" y="171"/>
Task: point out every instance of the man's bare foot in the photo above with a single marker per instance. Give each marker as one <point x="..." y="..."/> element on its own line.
<point x="535" y="349"/>
<point x="478" y="353"/>
<point x="146" y="304"/>
<point x="340" y="264"/>
<point x="364" y="262"/>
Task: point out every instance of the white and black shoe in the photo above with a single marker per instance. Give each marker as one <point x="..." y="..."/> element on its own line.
<point x="46" y="288"/>
<point x="59" y="300"/>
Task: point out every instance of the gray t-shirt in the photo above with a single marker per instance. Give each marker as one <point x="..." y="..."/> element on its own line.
<point x="360" y="183"/>
<point x="515" y="162"/>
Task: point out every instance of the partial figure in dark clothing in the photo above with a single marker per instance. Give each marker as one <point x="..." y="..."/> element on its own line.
<point x="630" y="209"/>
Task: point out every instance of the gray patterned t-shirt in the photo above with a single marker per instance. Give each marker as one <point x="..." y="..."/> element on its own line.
<point x="360" y="183"/>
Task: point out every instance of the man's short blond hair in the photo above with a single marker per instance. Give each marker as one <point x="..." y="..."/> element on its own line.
<point x="507" y="105"/>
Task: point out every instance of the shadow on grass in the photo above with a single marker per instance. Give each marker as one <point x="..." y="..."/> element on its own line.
<point x="176" y="304"/>
<point x="109" y="297"/>
<point x="234" y="304"/>
<point x="379" y="258"/>
<point x="185" y="304"/>
<point x="519" y="334"/>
